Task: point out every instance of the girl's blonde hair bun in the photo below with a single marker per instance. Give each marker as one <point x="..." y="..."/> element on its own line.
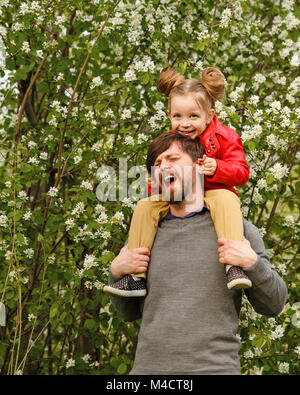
<point x="214" y="82"/>
<point x="168" y="79"/>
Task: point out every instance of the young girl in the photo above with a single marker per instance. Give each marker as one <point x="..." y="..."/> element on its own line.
<point x="191" y="111"/>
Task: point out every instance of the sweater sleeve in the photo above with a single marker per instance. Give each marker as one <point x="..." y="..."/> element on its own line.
<point x="129" y="308"/>
<point x="268" y="293"/>
<point x="232" y="168"/>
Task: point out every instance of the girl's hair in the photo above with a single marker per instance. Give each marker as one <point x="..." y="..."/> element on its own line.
<point x="209" y="88"/>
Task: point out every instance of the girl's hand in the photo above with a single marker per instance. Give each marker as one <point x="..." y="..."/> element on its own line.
<point x="209" y="165"/>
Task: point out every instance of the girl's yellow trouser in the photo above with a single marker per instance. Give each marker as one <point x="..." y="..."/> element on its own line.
<point x="224" y="209"/>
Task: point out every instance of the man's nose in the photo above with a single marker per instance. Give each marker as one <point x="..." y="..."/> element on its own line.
<point x="164" y="164"/>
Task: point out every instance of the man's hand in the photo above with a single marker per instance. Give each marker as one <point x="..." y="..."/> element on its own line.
<point x="236" y="253"/>
<point x="130" y="261"/>
<point x="209" y="165"/>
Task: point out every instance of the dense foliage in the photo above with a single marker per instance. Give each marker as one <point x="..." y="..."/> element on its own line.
<point x="78" y="91"/>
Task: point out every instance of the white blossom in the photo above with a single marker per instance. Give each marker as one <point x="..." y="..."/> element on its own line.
<point x="295" y="61"/>
<point x="33" y="160"/>
<point x="97" y="146"/>
<point x="259" y="78"/>
<point x="86" y="358"/>
<point x="70" y="223"/>
<point x="99" y="208"/>
<point x="51" y="259"/>
<point x="130" y="75"/>
<point x="102" y="218"/>
<point x="257" y="371"/>
<point x="277" y="333"/>
<point x="297" y="350"/>
<point x="89" y="262"/>
<point x="267" y="48"/>
<point x="39" y="53"/>
<point x="262" y="231"/>
<point x="77" y="159"/>
<point x="279" y="171"/>
<point x="287" y="5"/>
<point x="29" y="252"/>
<point x="27" y="215"/>
<point x="256" y="131"/>
<point x="70" y="363"/>
<point x="198" y="66"/>
<point x="261" y="183"/>
<point x="32" y="144"/>
<point x="53" y="191"/>
<point x="142" y="137"/>
<point x="79" y="209"/>
<point x="225" y="17"/>
<point x="254" y="99"/>
<point x="23" y="196"/>
<point x="289" y="220"/>
<point x="126" y="114"/>
<point x="59" y="77"/>
<point x="43" y="155"/>
<point x="86" y="185"/>
<point x="119" y="216"/>
<point x="283" y="367"/>
<point x="3" y="220"/>
<point x="275" y="106"/>
<point x="31" y="317"/>
<point x="96" y="82"/>
<point x="129" y="140"/>
<point x="248" y="354"/>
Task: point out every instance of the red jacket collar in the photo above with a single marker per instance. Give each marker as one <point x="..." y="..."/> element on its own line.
<point x="215" y="127"/>
<point x="208" y="138"/>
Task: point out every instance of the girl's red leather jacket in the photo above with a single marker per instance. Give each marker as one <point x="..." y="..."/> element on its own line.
<point x="225" y="145"/>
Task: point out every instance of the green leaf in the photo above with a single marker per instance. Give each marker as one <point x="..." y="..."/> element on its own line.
<point x="53" y="311"/>
<point x="68" y="319"/>
<point x="122" y="368"/>
<point x="145" y="79"/>
<point x="182" y="67"/>
<point x="269" y="179"/>
<point x="21" y="74"/>
<point x="251" y="145"/>
<point x="90" y="325"/>
<point x="40" y="238"/>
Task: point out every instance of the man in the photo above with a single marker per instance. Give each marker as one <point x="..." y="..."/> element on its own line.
<point x="189" y="317"/>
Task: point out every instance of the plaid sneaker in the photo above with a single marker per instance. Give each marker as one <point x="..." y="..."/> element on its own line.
<point x="127" y="287"/>
<point x="237" y="279"/>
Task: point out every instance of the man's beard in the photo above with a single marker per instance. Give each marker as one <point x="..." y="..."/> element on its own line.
<point x="176" y="187"/>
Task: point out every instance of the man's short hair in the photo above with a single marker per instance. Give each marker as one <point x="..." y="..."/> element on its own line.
<point x="163" y="142"/>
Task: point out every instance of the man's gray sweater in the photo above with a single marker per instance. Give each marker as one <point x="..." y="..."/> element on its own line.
<point x="189" y="317"/>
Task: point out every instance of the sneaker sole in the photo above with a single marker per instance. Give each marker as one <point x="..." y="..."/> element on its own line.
<point x="239" y="284"/>
<point x="120" y="292"/>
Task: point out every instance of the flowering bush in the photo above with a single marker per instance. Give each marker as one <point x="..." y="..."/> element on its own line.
<point x="78" y="91"/>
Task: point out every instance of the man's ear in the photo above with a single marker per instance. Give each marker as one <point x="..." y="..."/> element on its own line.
<point x="151" y="181"/>
<point x="149" y="178"/>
